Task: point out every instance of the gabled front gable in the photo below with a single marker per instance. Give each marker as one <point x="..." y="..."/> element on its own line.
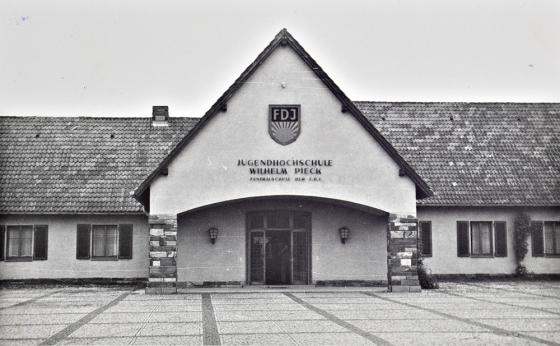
<point x="241" y="89"/>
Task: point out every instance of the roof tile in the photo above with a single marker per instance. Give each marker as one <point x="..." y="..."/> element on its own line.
<point x="468" y="153"/>
<point x="476" y="153"/>
<point x="80" y="164"/>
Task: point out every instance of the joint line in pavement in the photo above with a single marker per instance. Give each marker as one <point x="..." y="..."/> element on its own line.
<point x="352" y="328"/>
<point x="509" y="290"/>
<point x="501" y="303"/>
<point x="495" y="330"/>
<point x="63" y="334"/>
<point x="210" y="335"/>
<point x="29" y="301"/>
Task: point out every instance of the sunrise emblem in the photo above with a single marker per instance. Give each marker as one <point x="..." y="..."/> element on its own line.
<point x="284" y="123"/>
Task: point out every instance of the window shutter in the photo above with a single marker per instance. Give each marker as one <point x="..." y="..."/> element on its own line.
<point x="426" y="237"/>
<point x="500" y="232"/>
<point x="125" y="241"/>
<point x="40" y="242"/>
<point x="83" y="243"/>
<point x="537" y="241"/>
<point x="463" y="239"/>
<point x="2" y="241"/>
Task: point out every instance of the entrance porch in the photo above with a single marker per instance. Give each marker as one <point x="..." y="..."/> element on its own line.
<point x="282" y="241"/>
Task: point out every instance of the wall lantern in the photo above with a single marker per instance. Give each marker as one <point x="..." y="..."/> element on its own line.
<point x="344" y="231"/>
<point x="213" y="233"/>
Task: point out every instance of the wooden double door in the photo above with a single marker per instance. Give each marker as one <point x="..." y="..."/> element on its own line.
<point x="278" y="248"/>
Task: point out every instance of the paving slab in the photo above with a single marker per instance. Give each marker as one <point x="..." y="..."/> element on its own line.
<point x="42" y="319"/>
<point x="503" y="313"/>
<point x="453" y="338"/>
<point x="28" y="331"/>
<point x="330" y="339"/>
<point x="256" y="339"/>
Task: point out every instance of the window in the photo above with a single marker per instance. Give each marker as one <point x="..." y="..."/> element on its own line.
<point x="545" y="238"/>
<point x="104" y="242"/>
<point x="426" y="238"/>
<point x="23" y="242"/>
<point x="481" y="239"/>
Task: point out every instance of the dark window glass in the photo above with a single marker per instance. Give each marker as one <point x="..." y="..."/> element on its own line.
<point x="278" y="221"/>
<point x="256" y="222"/>
<point x="40" y="243"/>
<point x="104" y="241"/>
<point x="463" y="239"/>
<point x="20" y="240"/>
<point x="125" y="241"/>
<point x="2" y="241"/>
<point x="552" y="238"/>
<point x="481" y="238"/>
<point x="500" y="231"/>
<point x="426" y="238"/>
<point x="83" y="245"/>
<point x="300" y="258"/>
<point x="257" y="257"/>
<point x="537" y="240"/>
<point x="300" y="221"/>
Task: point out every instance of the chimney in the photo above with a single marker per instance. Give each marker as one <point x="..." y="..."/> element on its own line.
<point x="160" y="116"/>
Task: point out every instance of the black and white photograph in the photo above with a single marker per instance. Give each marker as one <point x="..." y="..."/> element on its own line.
<point x="280" y="172"/>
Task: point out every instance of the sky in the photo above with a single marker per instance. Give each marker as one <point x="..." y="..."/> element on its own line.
<point x="120" y="58"/>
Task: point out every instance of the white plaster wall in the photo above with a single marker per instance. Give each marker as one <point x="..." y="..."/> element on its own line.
<point x="363" y="257"/>
<point x="207" y="171"/>
<point x="62" y="262"/>
<point x="444" y="240"/>
<point x="197" y="259"/>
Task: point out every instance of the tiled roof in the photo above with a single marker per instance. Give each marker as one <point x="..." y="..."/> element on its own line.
<point x="468" y="153"/>
<point x="477" y="153"/>
<point x="73" y="165"/>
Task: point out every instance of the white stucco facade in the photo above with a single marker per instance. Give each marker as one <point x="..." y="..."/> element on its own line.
<point x="445" y="260"/>
<point x="61" y="262"/>
<point x="207" y="170"/>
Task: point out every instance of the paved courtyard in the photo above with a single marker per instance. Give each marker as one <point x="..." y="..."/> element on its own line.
<point x="475" y="313"/>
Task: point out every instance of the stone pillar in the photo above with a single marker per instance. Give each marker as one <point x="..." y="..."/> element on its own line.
<point x="163" y="255"/>
<point x="402" y="253"/>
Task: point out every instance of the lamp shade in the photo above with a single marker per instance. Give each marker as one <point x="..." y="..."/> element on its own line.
<point x="344" y="232"/>
<point x="213" y="233"/>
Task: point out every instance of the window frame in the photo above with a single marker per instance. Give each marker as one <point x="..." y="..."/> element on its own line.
<point x="124" y="240"/>
<point x="105" y="245"/>
<point x="423" y="240"/>
<point x="555" y="238"/>
<point x="35" y="246"/>
<point x="481" y="241"/>
<point x="539" y="246"/>
<point x="465" y="239"/>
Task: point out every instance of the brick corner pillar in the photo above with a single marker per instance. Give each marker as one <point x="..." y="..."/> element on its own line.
<point x="163" y="255"/>
<point x="402" y="253"/>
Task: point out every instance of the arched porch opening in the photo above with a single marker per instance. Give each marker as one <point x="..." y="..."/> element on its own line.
<point x="281" y="240"/>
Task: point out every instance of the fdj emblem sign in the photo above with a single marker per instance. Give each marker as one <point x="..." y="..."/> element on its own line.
<point x="284" y="123"/>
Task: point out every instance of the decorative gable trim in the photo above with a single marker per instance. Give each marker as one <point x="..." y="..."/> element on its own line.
<point x="284" y="38"/>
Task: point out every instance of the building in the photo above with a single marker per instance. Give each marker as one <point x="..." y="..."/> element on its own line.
<point x="283" y="181"/>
